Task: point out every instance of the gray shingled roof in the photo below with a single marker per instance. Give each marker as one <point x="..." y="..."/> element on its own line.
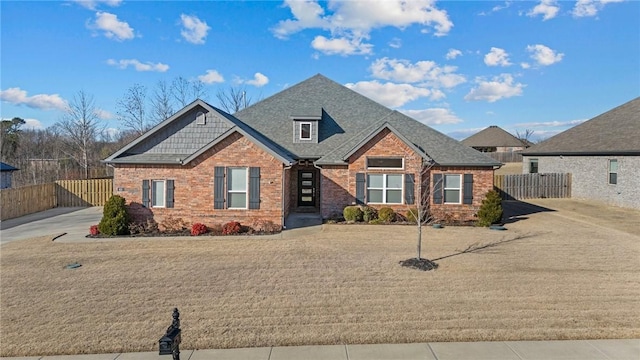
<point x="493" y="136"/>
<point x="615" y="132"/>
<point x="347" y="117"/>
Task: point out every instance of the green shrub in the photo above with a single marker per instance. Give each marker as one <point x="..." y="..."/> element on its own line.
<point x="369" y="213"/>
<point x="115" y="220"/>
<point x="386" y="214"/>
<point x="377" y="221"/>
<point x="412" y="215"/>
<point x="352" y="213"/>
<point x="491" y="209"/>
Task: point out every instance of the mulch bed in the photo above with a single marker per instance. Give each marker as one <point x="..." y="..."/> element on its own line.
<point x="419" y="264"/>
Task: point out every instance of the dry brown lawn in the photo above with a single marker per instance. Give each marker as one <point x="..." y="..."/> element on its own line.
<point x="547" y="277"/>
<point x="510" y="168"/>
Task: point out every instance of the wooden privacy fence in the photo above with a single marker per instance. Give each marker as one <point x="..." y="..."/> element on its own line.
<point x="63" y="193"/>
<point x="533" y="186"/>
<point x="93" y="192"/>
<point x="506" y="157"/>
<point x="26" y="200"/>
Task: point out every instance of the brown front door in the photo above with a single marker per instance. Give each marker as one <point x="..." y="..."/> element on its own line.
<point x="307" y="187"/>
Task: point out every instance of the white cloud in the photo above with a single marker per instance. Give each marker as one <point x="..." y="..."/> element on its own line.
<point x="500" y="87"/>
<point x="395" y="43"/>
<point x="93" y="4"/>
<point x="423" y="72"/>
<point x="341" y="46"/>
<point x="33" y="124"/>
<point x="349" y="22"/>
<point x="390" y="94"/>
<point x="497" y="57"/>
<point x="211" y="76"/>
<point x="259" y="80"/>
<point x="195" y="30"/>
<point x="112" y="27"/>
<point x="569" y="123"/>
<point x="104" y="114"/>
<point x="496" y="8"/>
<point x="589" y="8"/>
<point x="433" y="116"/>
<point x="18" y="96"/>
<point x="139" y="66"/>
<point x="464" y="133"/>
<point x="547" y="8"/>
<point x="453" y="53"/>
<point x="543" y="55"/>
<point x="525" y="65"/>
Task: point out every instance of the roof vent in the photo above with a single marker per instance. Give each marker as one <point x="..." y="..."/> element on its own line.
<point x="201" y="118"/>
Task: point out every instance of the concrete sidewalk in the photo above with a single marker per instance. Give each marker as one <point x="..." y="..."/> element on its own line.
<point x="498" y="350"/>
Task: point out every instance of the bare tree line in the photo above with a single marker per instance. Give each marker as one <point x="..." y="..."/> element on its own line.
<point x="73" y="147"/>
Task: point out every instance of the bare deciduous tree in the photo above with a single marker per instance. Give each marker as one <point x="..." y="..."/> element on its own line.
<point x="526" y="137"/>
<point x="186" y="91"/>
<point x="233" y="99"/>
<point x="79" y="128"/>
<point x="131" y="109"/>
<point x="161" y="102"/>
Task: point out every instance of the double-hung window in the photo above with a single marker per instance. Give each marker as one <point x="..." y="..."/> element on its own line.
<point x="384" y="188"/>
<point x="613" y="171"/>
<point x="533" y="166"/>
<point x="305" y="131"/>
<point x="452" y="187"/>
<point x="158" y="193"/>
<point x="237" y="188"/>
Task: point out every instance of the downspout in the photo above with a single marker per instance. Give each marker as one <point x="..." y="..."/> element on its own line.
<point x="284" y="169"/>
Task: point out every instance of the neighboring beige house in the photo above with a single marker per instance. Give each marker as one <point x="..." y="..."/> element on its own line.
<point x="316" y="147"/>
<point x="6" y="173"/>
<point x="494" y="139"/>
<point x="602" y="154"/>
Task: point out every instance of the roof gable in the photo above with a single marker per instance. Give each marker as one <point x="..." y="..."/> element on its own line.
<point x="179" y="139"/>
<point x="616" y="131"/>
<point x="493" y="136"/>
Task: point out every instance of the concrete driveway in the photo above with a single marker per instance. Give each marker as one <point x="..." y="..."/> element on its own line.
<point x="75" y="222"/>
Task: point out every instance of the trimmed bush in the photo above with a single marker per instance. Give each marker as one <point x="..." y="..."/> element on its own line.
<point x="369" y="213"/>
<point x="198" y="229"/>
<point x="386" y="214"/>
<point x="491" y="209"/>
<point x="115" y="220"/>
<point x="93" y="230"/>
<point x="412" y="215"/>
<point x="352" y="213"/>
<point x="231" y="228"/>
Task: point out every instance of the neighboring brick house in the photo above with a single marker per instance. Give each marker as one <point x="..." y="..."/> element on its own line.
<point x="602" y="154"/>
<point x="495" y="139"/>
<point x="314" y="147"/>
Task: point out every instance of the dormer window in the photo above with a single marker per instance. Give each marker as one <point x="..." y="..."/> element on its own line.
<point x="305" y="131"/>
<point x="306" y="126"/>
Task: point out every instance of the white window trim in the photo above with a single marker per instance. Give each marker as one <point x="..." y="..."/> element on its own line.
<point x="384" y="189"/>
<point x="310" y="130"/>
<point x="246" y="191"/>
<point x="164" y="205"/>
<point x="444" y="189"/>
<point x="609" y="172"/>
<point x="384" y="157"/>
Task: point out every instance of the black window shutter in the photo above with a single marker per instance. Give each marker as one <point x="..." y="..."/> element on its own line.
<point x="360" y="185"/>
<point x="218" y="187"/>
<point x="170" y="188"/>
<point x="254" y="188"/>
<point x="145" y="193"/>
<point x="437" y="188"/>
<point x="409" y="191"/>
<point x="467" y="197"/>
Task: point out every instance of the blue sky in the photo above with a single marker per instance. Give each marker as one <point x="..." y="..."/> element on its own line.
<point x="458" y="66"/>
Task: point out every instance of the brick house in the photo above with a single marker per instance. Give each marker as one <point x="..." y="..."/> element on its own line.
<point x="314" y="147"/>
<point x="602" y="155"/>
